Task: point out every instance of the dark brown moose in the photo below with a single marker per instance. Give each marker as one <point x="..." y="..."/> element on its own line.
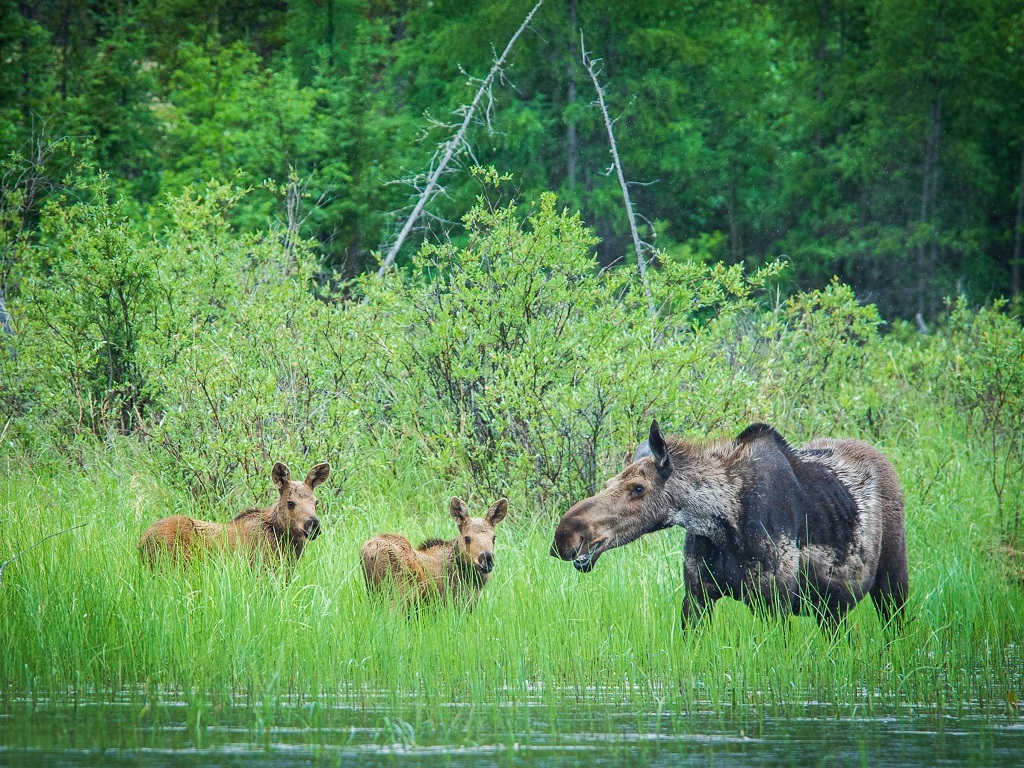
<point x="780" y="528"/>
<point x="278" y="532"/>
<point x="436" y="570"/>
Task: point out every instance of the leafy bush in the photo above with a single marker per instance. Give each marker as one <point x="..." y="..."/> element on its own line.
<point x="511" y="363"/>
<point x="984" y="371"/>
<point x="540" y="369"/>
<point x="86" y="304"/>
<point x="819" y="361"/>
<point x="250" y="366"/>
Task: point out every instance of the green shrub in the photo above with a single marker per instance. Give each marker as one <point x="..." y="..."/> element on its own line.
<point x="511" y="364"/>
<point x="983" y="355"/>
<point x="250" y="367"/>
<point x="86" y="303"/>
<point x="819" y="361"/>
<point x="540" y="369"/>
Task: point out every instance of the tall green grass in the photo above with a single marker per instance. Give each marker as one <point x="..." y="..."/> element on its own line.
<point x="81" y="614"/>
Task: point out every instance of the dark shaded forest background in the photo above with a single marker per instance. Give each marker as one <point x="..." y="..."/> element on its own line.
<point x="879" y="141"/>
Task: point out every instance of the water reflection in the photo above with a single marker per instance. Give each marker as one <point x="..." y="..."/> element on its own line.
<point x="134" y="731"/>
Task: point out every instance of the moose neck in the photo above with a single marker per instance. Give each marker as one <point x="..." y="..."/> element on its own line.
<point x="464" y="571"/>
<point x="275" y="528"/>
<point x="702" y="497"/>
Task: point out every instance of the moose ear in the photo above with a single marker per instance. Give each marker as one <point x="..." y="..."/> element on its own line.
<point x="659" y="450"/>
<point x="281" y="475"/>
<point x="642" y="450"/>
<point x="459" y="511"/>
<point x="497" y="512"/>
<point x="318" y="474"/>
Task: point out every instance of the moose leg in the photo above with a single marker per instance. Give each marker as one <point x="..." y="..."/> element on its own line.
<point x="695" y="608"/>
<point x="831" y="608"/>
<point x="889" y="594"/>
<point x="701" y="592"/>
<point x="892" y="585"/>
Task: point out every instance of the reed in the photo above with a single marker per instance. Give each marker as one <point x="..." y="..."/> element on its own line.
<point x="81" y="613"/>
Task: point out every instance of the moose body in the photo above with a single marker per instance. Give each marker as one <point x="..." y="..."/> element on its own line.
<point x="780" y="528"/>
<point x="280" y="531"/>
<point x="455" y="570"/>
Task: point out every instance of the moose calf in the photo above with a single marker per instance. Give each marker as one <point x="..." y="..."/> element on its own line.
<point x="277" y="532"/>
<point x="436" y="570"/>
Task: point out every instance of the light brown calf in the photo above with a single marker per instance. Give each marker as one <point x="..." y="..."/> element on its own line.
<point x="279" y="531"/>
<point x="448" y="571"/>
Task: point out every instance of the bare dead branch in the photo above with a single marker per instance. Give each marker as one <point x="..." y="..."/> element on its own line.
<point x="589" y="65"/>
<point x="453" y="145"/>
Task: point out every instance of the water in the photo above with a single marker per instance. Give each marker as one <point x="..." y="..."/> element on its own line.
<point x="132" y="731"/>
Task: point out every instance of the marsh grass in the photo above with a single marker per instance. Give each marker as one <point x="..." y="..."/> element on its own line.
<point x="81" y="614"/>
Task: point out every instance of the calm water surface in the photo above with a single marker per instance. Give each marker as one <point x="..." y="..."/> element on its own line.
<point x="174" y="733"/>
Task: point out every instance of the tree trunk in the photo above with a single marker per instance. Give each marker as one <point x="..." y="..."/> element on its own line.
<point x="929" y="182"/>
<point x="588" y="64"/>
<point x="453" y="145"/>
<point x="5" y="318"/>
<point x="819" y="138"/>
<point x="1018" y="233"/>
<point x="572" y="142"/>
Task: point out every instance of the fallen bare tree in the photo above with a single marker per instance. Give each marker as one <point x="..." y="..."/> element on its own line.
<point x="454" y="145"/>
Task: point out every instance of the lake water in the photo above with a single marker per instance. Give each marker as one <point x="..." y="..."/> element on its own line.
<point x="130" y="732"/>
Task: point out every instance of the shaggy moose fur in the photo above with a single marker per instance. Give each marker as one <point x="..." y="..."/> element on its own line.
<point x="277" y="532"/>
<point x="436" y="570"/>
<point x="777" y="527"/>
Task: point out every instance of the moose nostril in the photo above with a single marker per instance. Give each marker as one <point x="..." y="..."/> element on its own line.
<point x="312" y="527"/>
<point x="487" y="561"/>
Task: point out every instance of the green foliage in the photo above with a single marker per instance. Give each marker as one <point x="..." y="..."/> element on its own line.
<point x="113" y="108"/>
<point x="536" y="362"/>
<point x="817" y="368"/>
<point x="984" y="370"/>
<point x="27" y="75"/>
<point x="246" y="370"/>
<point x="513" y="361"/>
<point x="228" y="115"/>
<point x="874" y="141"/>
<point x="496" y="332"/>
<point x="86" y="302"/>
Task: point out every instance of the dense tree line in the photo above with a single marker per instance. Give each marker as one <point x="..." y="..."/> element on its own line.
<point x="878" y="140"/>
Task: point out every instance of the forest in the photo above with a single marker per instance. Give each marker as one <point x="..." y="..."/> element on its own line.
<point x="878" y="141"/>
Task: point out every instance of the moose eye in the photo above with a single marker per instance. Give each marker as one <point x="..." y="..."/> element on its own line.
<point x="467" y="539"/>
<point x="638" y="490"/>
<point x="291" y="505"/>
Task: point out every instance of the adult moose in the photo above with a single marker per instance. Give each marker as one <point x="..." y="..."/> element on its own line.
<point x="780" y="528"/>
<point x="280" y="531"/>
